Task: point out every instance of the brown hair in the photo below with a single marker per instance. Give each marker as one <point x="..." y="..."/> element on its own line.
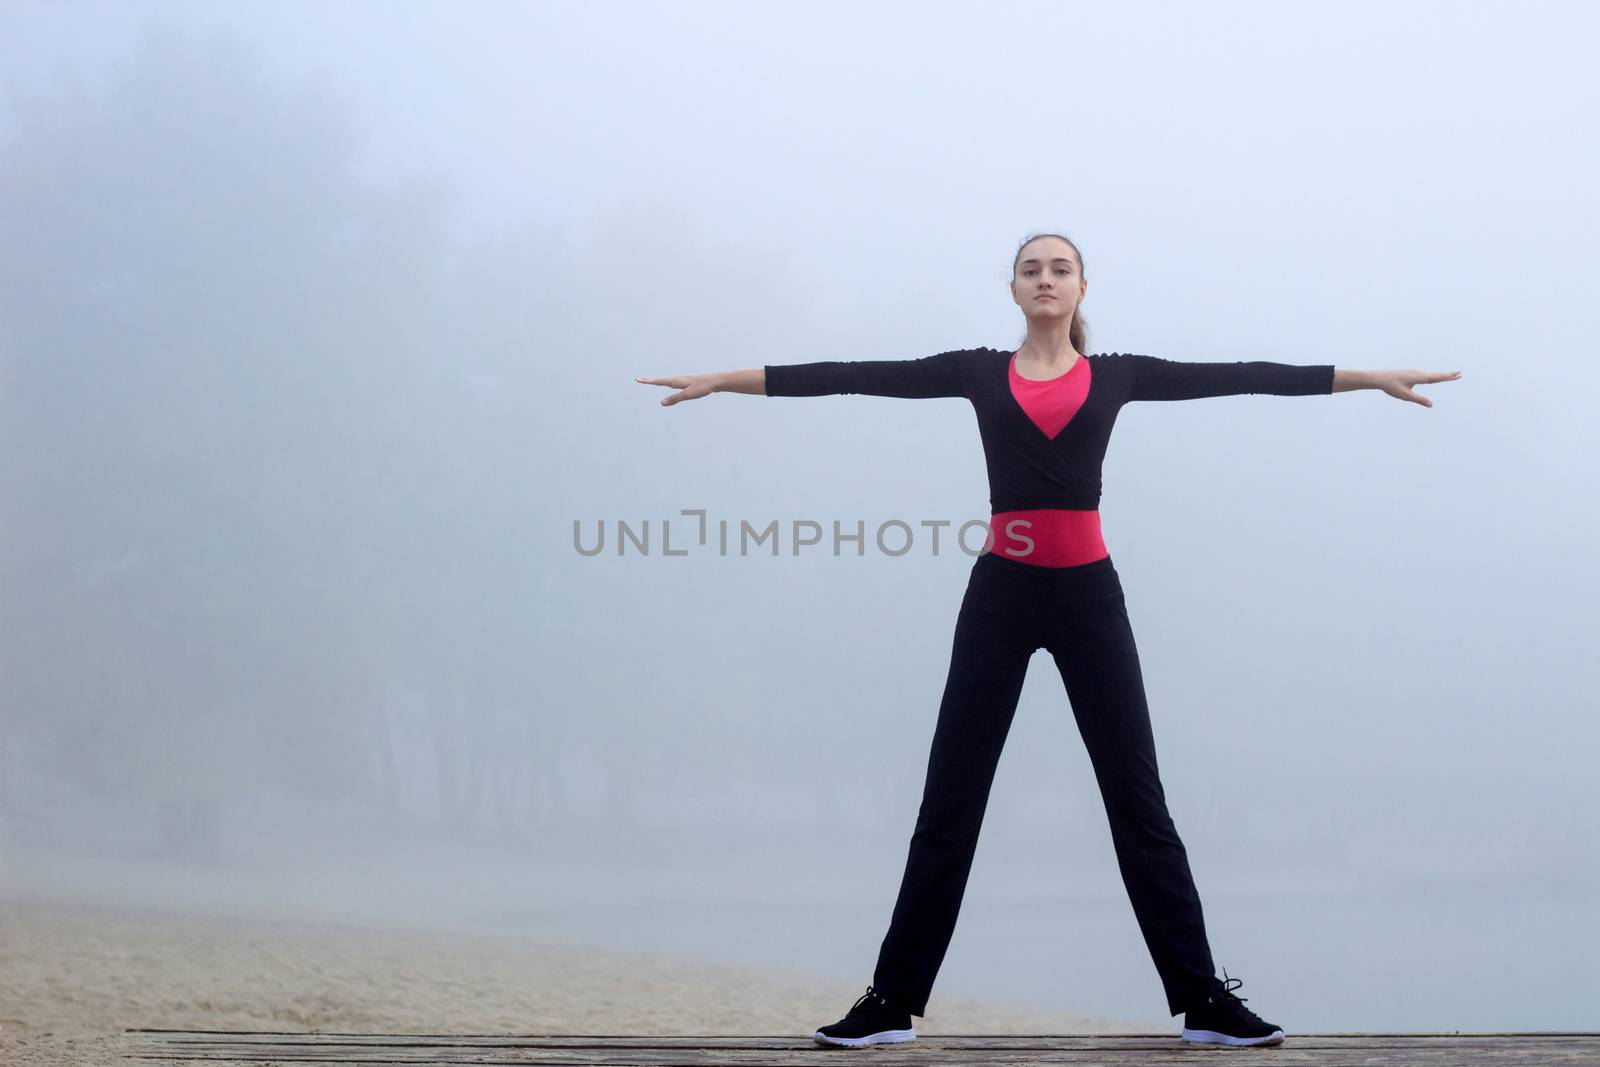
<point x="1078" y="332"/>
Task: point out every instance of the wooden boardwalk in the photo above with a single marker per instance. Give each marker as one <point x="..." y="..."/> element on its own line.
<point x="1556" y="1048"/>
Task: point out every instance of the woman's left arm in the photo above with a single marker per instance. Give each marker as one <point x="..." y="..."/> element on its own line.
<point x="1397" y="383"/>
<point x="1154" y="378"/>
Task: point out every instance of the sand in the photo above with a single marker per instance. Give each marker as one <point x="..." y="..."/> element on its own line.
<point x="74" y="974"/>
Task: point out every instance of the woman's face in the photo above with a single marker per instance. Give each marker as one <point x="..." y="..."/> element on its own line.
<point x="1048" y="283"/>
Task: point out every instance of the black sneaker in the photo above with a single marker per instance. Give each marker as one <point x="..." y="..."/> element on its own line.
<point x="1222" y="1019"/>
<point x="872" y="1020"/>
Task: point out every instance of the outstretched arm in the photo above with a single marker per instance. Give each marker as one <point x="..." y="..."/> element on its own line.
<point x="915" y="379"/>
<point x="1165" y="379"/>
<point x="930" y="376"/>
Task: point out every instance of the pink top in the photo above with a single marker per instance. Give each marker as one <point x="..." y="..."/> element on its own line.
<point x="1052" y="402"/>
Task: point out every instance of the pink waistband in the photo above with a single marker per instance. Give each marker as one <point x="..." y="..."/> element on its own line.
<point x="1048" y="537"/>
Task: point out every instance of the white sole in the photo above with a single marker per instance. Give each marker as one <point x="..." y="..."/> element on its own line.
<point x="1212" y="1037"/>
<point x="882" y="1037"/>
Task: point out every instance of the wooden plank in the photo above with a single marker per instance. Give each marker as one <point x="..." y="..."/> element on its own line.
<point x="1404" y="1049"/>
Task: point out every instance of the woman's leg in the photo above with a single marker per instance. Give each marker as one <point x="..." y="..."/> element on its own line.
<point x="988" y="662"/>
<point x="1095" y="653"/>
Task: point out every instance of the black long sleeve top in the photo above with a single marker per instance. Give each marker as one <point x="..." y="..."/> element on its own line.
<point x="1027" y="468"/>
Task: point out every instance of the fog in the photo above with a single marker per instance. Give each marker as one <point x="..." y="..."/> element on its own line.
<point x="318" y="333"/>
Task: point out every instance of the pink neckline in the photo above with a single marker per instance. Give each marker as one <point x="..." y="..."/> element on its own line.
<point x="1012" y="366"/>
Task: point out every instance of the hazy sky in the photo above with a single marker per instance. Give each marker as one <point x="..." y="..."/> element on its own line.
<point x="1364" y="625"/>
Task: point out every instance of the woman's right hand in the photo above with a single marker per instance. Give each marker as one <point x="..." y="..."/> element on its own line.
<point x="689" y="386"/>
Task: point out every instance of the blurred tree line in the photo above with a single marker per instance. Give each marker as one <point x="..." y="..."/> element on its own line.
<point x="252" y="444"/>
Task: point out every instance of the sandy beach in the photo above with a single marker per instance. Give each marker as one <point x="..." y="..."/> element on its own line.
<point x="73" y="974"/>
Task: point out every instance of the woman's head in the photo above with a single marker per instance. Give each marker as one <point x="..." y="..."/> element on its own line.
<point x="1048" y="284"/>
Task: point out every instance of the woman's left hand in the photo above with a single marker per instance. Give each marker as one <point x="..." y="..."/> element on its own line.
<point x="1398" y="383"/>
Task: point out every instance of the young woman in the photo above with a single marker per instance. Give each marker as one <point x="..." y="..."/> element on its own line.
<point x="1045" y="414"/>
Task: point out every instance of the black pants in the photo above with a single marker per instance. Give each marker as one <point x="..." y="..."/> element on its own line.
<point x="1078" y="613"/>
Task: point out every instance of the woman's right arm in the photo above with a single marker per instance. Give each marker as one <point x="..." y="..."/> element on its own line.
<point x="930" y="376"/>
